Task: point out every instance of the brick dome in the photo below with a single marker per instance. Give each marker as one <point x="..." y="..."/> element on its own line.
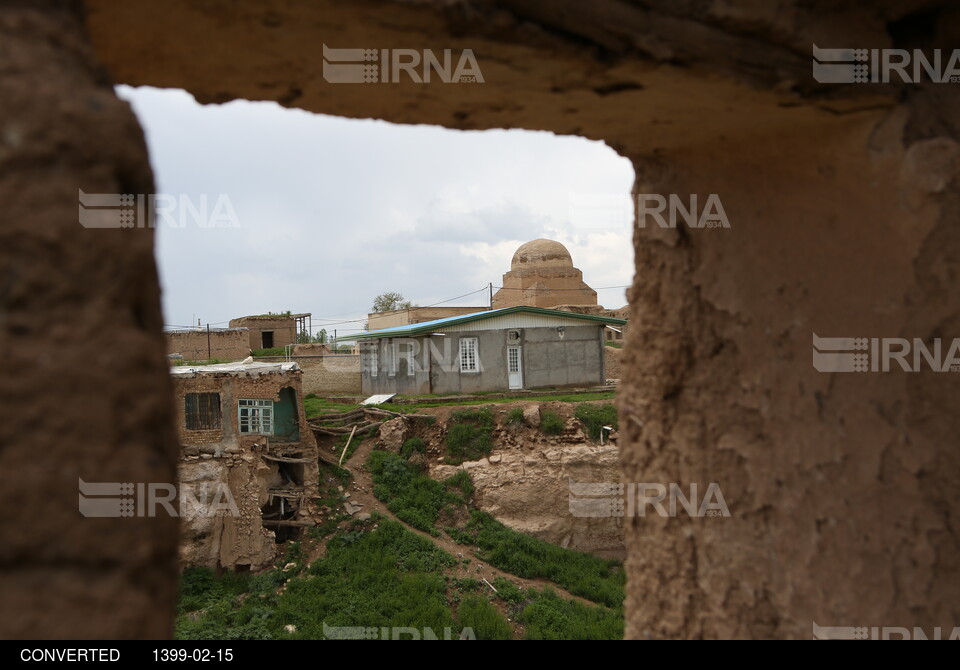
<point x="541" y="253"/>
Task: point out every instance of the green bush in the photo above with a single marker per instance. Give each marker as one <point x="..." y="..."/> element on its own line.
<point x="515" y="417"/>
<point x="414" y="497"/>
<point x="550" y="617"/>
<point x="525" y="556"/>
<point x="460" y="536"/>
<point x="594" y="417"/>
<point x="481" y="417"/>
<point x="484" y="618"/>
<point x="461" y="480"/>
<point x="467" y="584"/>
<point x="471" y="435"/>
<point x="551" y="423"/>
<point x="509" y="591"/>
<point x="414" y="445"/>
<point x="385" y="577"/>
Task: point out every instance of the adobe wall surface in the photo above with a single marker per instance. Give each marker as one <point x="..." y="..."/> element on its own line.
<point x="284" y="329"/>
<point x="330" y="374"/>
<point x="224" y="457"/>
<point x="221" y="344"/>
<point x="402" y="317"/>
<point x="68" y="294"/>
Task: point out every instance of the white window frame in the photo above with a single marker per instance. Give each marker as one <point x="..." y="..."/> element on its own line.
<point x="408" y="354"/>
<point x="256" y="415"/>
<point x="469" y="355"/>
<point x="373" y="359"/>
<point x="393" y="359"/>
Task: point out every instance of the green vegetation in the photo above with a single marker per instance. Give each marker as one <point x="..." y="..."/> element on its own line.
<point x="212" y="361"/>
<point x="461" y="480"/>
<point x="385" y="577"/>
<point x="314" y="406"/>
<point x="414" y="445"/>
<point x="414" y="497"/>
<point x="470" y="437"/>
<point x="341" y="442"/>
<point x="615" y="345"/>
<point x="272" y="351"/>
<point x="501" y="398"/>
<point x="467" y="584"/>
<point x="550" y="617"/>
<point x="390" y="301"/>
<point x="419" y="500"/>
<point x="515" y="417"/>
<point x="377" y="573"/>
<point x="382" y="577"/>
<point x="594" y="417"/>
<point x="484" y="618"/>
<point x="525" y="556"/>
<point x="551" y="423"/>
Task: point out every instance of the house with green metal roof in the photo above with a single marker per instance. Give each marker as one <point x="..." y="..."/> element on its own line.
<point x="511" y="348"/>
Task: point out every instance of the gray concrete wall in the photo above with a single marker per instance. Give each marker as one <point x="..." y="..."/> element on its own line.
<point x="576" y="360"/>
<point x="407" y="379"/>
<point x="547" y="360"/>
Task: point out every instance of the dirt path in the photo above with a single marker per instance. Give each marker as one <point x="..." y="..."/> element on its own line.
<point x="361" y="493"/>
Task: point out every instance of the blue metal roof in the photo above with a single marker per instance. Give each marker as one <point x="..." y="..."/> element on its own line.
<point x="429" y="326"/>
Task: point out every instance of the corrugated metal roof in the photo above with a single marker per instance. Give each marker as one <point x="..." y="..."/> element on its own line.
<point x="439" y="324"/>
<point x="234" y="368"/>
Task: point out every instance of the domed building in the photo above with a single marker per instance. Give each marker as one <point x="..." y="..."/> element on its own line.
<point x="542" y="275"/>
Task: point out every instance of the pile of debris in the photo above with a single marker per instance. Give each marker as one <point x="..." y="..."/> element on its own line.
<point x="353" y="423"/>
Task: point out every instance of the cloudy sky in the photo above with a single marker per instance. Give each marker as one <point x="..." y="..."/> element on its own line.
<point x="331" y="212"/>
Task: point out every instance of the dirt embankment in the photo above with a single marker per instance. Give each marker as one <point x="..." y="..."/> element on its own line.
<point x="525" y="480"/>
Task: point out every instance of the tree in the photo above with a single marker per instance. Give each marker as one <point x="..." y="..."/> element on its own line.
<point x="387" y="302"/>
<point x="306" y="338"/>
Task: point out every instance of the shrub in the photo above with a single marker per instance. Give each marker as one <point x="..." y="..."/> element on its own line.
<point x="550" y="617"/>
<point x="461" y="480"/>
<point x="414" y="445"/>
<point x="415" y="498"/>
<point x="551" y="423"/>
<point x="594" y="417"/>
<point x="486" y="620"/>
<point x="509" y="591"/>
<point x="482" y="416"/>
<point x="471" y="436"/>
<point x="515" y="417"/>
<point x="385" y="577"/>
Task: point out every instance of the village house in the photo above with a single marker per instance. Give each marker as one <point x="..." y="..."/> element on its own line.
<point x="267" y="331"/>
<point x="245" y="442"/>
<point x="518" y="347"/>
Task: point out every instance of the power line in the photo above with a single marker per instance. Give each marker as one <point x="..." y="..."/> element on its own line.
<point x="552" y="290"/>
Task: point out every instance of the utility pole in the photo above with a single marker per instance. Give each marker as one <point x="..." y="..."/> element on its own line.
<point x="490" y="285"/>
<point x="209" y="355"/>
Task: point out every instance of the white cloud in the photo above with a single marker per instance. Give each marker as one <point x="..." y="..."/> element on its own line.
<point x="334" y="211"/>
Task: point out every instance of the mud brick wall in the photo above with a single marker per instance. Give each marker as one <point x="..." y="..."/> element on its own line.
<point x="224" y="345"/>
